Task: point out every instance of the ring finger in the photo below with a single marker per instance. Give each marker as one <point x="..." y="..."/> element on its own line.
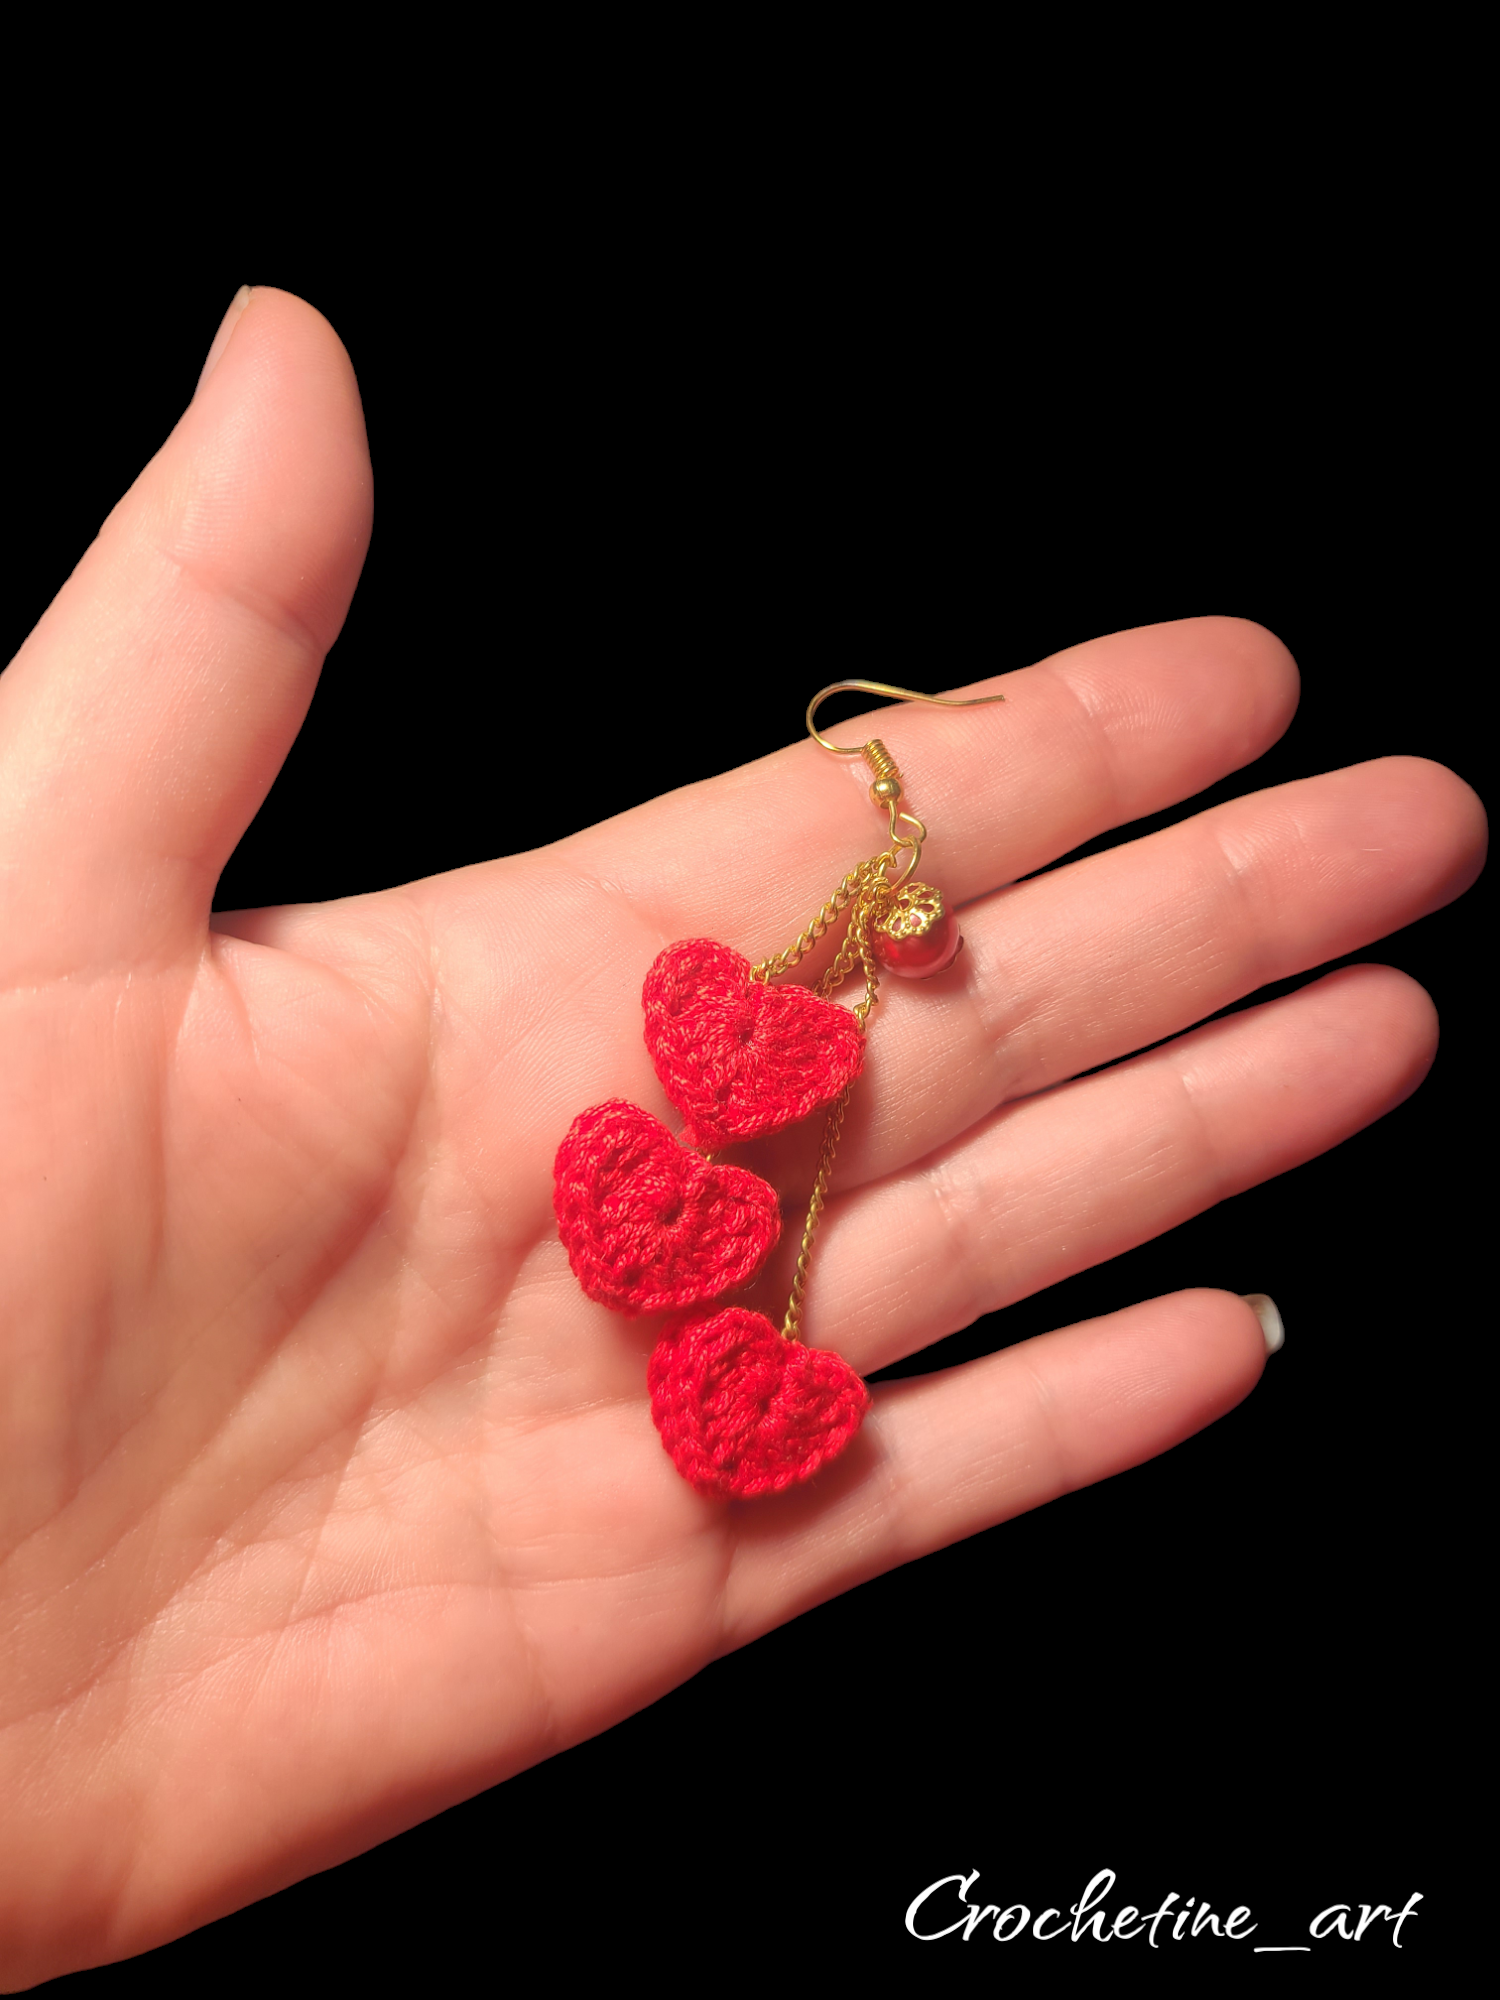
<point x="1065" y="1180"/>
<point x="1085" y="965"/>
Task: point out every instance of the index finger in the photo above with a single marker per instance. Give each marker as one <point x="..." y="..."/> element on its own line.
<point x="1092" y="738"/>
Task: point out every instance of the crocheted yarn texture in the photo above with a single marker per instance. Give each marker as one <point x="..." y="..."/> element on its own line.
<point x="744" y="1412"/>
<point x="737" y="1057"/>
<point x="650" y="1227"/>
<point x="647" y="1225"/>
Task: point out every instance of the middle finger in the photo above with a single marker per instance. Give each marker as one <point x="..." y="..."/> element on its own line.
<point x="1110" y="954"/>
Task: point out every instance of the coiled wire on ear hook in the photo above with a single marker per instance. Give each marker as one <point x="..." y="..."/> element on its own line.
<point x="887" y="789"/>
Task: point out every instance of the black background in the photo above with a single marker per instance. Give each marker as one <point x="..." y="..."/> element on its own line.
<point x="644" y="482"/>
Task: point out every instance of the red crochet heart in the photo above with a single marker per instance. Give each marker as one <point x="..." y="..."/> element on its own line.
<point x="742" y="1411"/>
<point x="738" y="1057"/>
<point x="648" y="1226"/>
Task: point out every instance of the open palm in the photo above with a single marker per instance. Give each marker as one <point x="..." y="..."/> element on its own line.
<point x="327" y="1498"/>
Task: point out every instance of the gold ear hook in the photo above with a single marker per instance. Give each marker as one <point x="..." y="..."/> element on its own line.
<point x="879" y="687"/>
<point x="886" y="790"/>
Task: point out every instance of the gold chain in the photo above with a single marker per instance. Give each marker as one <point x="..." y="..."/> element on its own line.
<point x="856" y="945"/>
<point x="831" y="1131"/>
<point x="865" y="887"/>
<point x="853" y="883"/>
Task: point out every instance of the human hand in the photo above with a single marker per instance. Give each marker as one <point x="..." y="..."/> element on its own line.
<point x="329" y="1499"/>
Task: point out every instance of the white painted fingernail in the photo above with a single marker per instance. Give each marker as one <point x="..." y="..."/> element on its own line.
<point x="1270" y="1320"/>
<point x="226" y="327"/>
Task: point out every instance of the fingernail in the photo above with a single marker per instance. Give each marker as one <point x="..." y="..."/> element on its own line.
<point x="221" y="339"/>
<point x="1270" y="1320"/>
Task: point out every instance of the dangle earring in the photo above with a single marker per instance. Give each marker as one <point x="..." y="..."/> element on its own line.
<point x="652" y="1225"/>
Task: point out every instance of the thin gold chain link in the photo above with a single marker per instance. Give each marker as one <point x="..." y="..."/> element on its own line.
<point x="864" y="887"/>
<point x="853" y="883"/>
<point x="860" y="929"/>
<point x="854" y="949"/>
<point x="789" y="1326"/>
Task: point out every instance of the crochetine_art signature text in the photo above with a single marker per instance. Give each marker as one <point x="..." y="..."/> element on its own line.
<point x="948" y="1909"/>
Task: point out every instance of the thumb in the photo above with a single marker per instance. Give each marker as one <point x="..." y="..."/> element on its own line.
<point x="145" y="718"/>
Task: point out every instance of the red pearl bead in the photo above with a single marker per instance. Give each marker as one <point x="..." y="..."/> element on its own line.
<point x="919" y="957"/>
